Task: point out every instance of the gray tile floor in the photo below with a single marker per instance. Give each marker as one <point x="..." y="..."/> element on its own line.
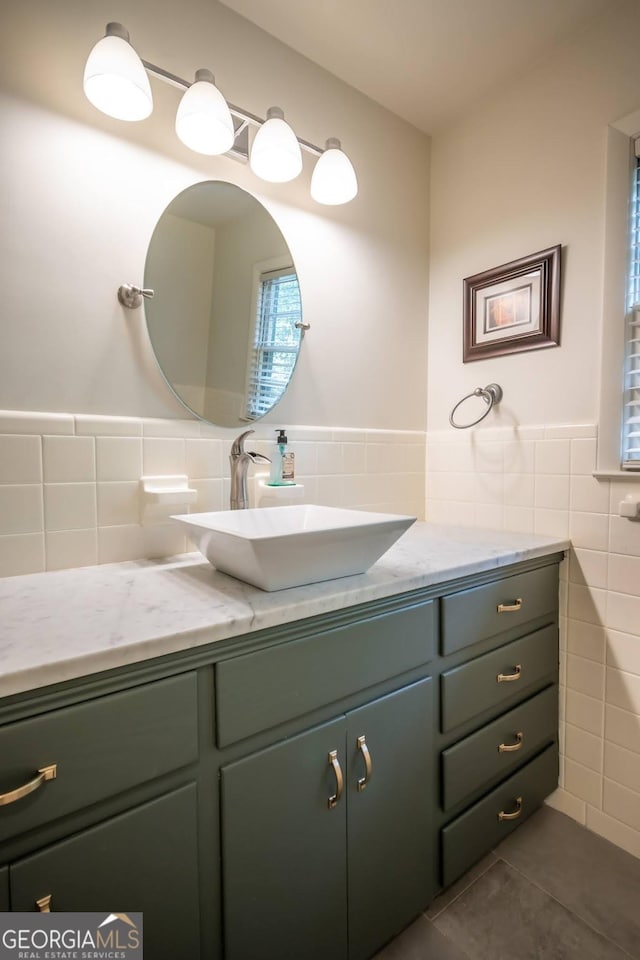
<point x="552" y="891"/>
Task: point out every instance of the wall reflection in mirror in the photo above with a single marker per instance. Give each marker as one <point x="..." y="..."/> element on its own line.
<point x="222" y="322"/>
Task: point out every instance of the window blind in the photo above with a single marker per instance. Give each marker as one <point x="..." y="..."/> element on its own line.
<point x="631" y="396"/>
<point x="276" y="340"/>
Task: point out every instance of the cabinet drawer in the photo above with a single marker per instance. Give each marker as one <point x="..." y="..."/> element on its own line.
<point x="101" y="747"/>
<point x="498" y="677"/>
<point x="479" y="829"/>
<point x="260" y="690"/>
<point x="478" y="759"/>
<point x="479" y="613"/>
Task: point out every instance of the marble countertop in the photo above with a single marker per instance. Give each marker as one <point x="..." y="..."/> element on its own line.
<point x="66" y="624"/>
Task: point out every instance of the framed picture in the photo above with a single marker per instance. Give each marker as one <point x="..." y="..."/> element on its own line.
<point x="513" y="308"/>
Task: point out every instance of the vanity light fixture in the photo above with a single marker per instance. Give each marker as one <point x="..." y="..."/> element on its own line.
<point x="275" y="153"/>
<point x="333" y="180"/>
<point x="116" y="81"/>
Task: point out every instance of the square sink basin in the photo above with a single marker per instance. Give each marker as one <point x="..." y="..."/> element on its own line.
<point x="278" y="547"/>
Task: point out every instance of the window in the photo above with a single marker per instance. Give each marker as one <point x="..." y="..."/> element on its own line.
<point x="631" y="393"/>
<point x="619" y="386"/>
<point x="276" y="339"/>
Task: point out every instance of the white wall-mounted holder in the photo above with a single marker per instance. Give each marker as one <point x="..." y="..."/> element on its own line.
<point x="160" y="496"/>
<point x="630" y="507"/>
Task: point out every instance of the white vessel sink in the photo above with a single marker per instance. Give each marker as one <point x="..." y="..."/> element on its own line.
<point x="277" y="547"/>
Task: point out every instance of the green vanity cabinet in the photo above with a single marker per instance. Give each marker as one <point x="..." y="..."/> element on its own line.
<point x="300" y="791"/>
<point x="327" y="836"/>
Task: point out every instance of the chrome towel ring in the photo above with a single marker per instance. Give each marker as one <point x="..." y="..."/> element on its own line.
<point x="491" y="394"/>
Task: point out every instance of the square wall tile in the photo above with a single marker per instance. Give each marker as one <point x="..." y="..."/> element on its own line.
<point x="622" y="765"/>
<point x="586" y="640"/>
<point x="118" y="503"/>
<point x="585" y="676"/>
<point x="209" y="495"/>
<point x="163" y="456"/>
<point x="20" y="554"/>
<point x="69" y="459"/>
<point x="624" y="573"/>
<point x="553" y="456"/>
<point x="583" y="782"/>
<point x="119" y="458"/>
<point x="20" y="508"/>
<point x="624" y="536"/>
<point x="621" y="727"/>
<point x="588" y="567"/>
<point x="71" y="548"/>
<point x="623" y="612"/>
<point x="69" y="506"/>
<point x="20" y="459"/>
<point x="583" y="747"/>
<point x="622" y="803"/>
<point x="589" y="495"/>
<point x="623" y="690"/>
<point x="583" y="456"/>
<point x="585" y="712"/>
<point x="589" y="530"/>
<point x="552" y="492"/>
<point x="204" y="459"/>
<point x="119" y="543"/>
<point x="623" y="651"/>
<point x="587" y="603"/>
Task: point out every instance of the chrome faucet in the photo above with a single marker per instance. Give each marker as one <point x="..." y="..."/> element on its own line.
<point x="239" y="458"/>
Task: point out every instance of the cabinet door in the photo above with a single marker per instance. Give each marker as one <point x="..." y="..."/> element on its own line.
<point x="145" y="860"/>
<point x="284" y="851"/>
<point x="389" y="819"/>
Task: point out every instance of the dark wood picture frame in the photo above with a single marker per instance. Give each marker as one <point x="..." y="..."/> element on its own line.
<point x="513" y="308"/>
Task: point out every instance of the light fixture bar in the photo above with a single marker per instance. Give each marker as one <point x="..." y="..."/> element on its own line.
<point x="239" y="112"/>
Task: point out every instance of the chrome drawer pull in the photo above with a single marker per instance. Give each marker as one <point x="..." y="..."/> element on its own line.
<point x="511" y="747"/>
<point x="510" y="607"/>
<point x="508" y="677"/>
<point x="368" y="766"/>
<point x="335" y="764"/>
<point x="512" y="816"/>
<point x="44" y="773"/>
<point x="44" y="903"/>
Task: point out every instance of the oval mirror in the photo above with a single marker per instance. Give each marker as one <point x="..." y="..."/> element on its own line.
<point x="225" y="319"/>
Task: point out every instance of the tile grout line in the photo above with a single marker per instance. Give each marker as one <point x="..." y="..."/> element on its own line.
<point x="464" y="890"/>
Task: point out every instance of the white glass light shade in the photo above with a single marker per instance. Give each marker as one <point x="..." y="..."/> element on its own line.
<point x="275" y="152"/>
<point x="203" y="120"/>
<point x="333" y="180"/>
<point x="115" y="80"/>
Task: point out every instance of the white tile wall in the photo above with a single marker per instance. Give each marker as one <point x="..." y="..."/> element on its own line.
<point x="70" y="486"/>
<point x="548" y="486"/>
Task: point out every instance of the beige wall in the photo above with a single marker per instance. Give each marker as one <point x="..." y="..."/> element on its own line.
<point x="526" y="171"/>
<point x="82" y="194"/>
<point x="523" y="172"/>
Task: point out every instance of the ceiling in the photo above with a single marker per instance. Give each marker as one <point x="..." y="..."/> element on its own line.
<point x="425" y="60"/>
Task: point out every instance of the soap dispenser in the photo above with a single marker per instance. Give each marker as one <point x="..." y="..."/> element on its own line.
<point x="282" y="463"/>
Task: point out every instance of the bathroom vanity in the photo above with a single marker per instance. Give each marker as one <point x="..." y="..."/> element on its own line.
<point x="293" y="774"/>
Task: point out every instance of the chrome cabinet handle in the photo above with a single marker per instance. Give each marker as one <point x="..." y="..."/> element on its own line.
<point x="44" y="773"/>
<point x="512" y="747"/>
<point x="508" y="677"/>
<point x="512" y="816"/>
<point x="368" y="766"/>
<point x="335" y="764"/>
<point x="44" y="903"/>
<point x="510" y="607"/>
